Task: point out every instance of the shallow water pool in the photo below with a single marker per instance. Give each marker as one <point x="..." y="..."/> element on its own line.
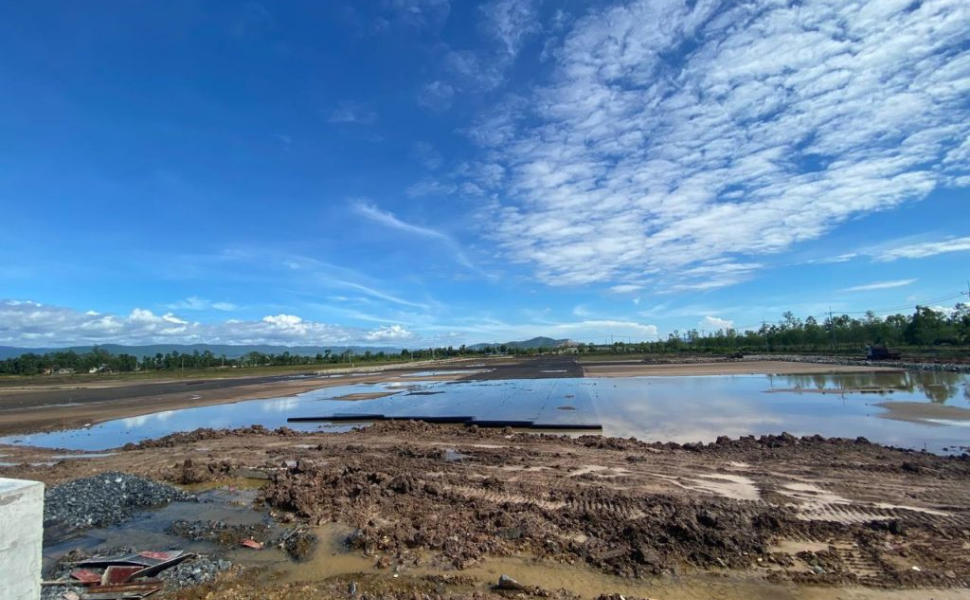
<point x="679" y="409"/>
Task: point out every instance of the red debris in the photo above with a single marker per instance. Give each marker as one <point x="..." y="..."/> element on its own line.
<point x="86" y="576"/>
<point x="119" y="574"/>
<point x="252" y="544"/>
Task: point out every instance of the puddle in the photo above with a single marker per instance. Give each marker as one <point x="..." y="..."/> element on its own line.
<point x="735" y="487"/>
<point x="452" y="455"/>
<point x="599" y="471"/>
<point x="146" y="530"/>
<point x="811" y="496"/>
<point x="331" y="559"/>
<point x="927" y="511"/>
<point x="678" y="409"/>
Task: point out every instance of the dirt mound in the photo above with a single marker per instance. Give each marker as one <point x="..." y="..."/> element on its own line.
<point x="206" y="433"/>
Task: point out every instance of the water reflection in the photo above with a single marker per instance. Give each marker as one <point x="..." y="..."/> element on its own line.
<point x="681" y="409"/>
<point x="936" y="386"/>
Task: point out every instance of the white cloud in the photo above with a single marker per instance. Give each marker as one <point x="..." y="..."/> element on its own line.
<point x="511" y="22"/>
<point x="352" y="113"/>
<point x="593" y="329"/>
<point x="30" y="324"/>
<point x="426" y="154"/>
<point x="925" y="249"/>
<point x="392" y="333"/>
<point x="676" y="136"/>
<point x="196" y="303"/>
<point x="625" y="288"/>
<point x="419" y="13"/>
<point x="388" y="219"/>
<point x="880" y="285"/>
<point x="477" y="71"/>
<point x="714" y="323"/>
<point x="436" y="95"/>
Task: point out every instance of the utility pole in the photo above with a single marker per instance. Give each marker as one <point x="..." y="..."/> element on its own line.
<point x="764" y="326"/>
<point x="832" y="327"/>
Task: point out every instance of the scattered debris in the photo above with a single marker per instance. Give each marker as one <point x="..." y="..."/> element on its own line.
<point x="132" y="575"/>
<point x="86" y="576"/>
<point x="507" y="583"/>
<point x="217" y="532"/>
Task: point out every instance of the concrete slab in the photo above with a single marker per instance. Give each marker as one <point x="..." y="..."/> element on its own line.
<point x="21" y="538"/>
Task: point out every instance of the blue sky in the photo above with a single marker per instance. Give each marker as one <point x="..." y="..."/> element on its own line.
<point x="415" y="172"/>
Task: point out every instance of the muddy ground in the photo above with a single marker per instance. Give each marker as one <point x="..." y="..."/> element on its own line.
<point x="801" y="516"/>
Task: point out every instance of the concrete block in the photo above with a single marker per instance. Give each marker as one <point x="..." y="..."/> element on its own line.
<point x="21" y="538"/>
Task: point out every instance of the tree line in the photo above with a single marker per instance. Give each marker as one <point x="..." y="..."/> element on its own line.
<point x="925" y="329"/>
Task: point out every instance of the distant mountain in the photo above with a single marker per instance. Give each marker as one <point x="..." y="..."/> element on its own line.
<point x="536" y="342"/>
<point x="230" y="351"/>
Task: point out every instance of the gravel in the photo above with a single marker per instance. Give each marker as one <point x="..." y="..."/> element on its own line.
<point x="194" y="571"/>
<point x="104" y="499"/>
<point x="56" y="592"/>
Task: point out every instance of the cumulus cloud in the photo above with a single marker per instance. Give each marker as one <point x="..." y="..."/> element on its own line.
<point x="391" y="333"/>
<point x="925" y="249"/>
<point x="880" y="285"/>
<point x="30" y="324"/>
<point x="676" y="139"/>
<point x="715" y="323"/>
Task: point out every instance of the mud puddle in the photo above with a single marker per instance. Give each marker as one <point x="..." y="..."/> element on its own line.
<point x="230" y="504"/>
<point x="333" y="560"/>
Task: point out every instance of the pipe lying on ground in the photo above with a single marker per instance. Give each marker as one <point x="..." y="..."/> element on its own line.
<point x="461" y="420"/>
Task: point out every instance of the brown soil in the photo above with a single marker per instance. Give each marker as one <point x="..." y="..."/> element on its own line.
<point x="778" y="510"/>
